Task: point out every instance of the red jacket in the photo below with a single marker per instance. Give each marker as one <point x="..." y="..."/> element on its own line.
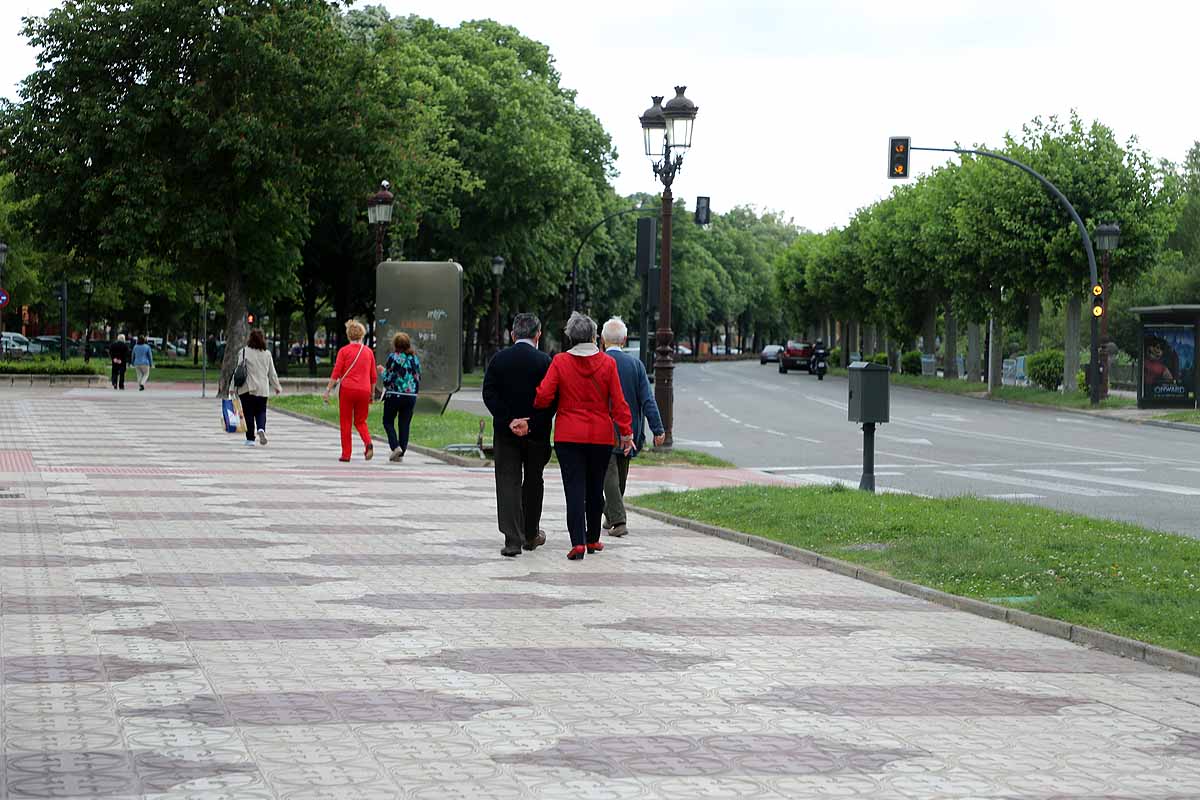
<point x="360" y="379"/>
<point x="590" y="400"/>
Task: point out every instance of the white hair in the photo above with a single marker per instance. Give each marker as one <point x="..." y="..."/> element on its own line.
<point x="120" y="337"/>
<point x="615" y="331"/>
<point x="580" y="328"/>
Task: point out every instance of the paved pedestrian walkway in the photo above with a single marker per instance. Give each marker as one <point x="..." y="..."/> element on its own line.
<point x="185" y="617"/>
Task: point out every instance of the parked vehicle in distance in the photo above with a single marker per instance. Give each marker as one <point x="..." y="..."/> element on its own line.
<point x="683" y="350"/>
<point x="98" y="348"/>
<point x="13" y="343"/>
<point x="770" y="353"/>
<point x="819" y="362"/>
<point x="795" y="355"/>
<point x="722" y="350"/>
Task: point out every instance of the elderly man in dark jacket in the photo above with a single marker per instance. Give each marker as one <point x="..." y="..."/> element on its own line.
<point x="635" y="385"/>
<point x="521" y="435"/>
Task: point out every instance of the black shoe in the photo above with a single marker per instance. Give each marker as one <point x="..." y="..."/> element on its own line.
<point x="510" y="552"/>
<point x="536" y="541"/>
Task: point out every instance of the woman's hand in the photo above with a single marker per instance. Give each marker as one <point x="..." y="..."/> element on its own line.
<point x="627" y="444"/>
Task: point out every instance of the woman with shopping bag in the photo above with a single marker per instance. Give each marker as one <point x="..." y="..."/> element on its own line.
<point x="354" y="378"/>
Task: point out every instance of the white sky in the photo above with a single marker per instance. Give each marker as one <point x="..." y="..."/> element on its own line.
<point x="797" y="99"/>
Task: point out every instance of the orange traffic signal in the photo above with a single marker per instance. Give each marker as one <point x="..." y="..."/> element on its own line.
<point x="898" y="157"/>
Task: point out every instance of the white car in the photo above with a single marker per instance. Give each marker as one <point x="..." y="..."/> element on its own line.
<point x="13" y="342"/>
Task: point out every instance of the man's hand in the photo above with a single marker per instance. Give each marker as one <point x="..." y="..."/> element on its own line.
<point x="519" y="427"/>
<point x="627" y="444"/>
<point x="659" y="438"/>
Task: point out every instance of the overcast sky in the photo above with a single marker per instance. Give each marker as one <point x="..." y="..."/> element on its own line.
<point x="797" y="99"/>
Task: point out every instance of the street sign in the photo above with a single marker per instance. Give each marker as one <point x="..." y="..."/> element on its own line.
<point x="4" y="297"/>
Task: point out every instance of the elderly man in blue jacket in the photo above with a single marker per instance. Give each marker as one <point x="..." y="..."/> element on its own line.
<point x="636" y="388"/>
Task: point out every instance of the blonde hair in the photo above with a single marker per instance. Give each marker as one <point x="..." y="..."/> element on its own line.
<point x="401" y="342"/>
<point x="355" y="330"/>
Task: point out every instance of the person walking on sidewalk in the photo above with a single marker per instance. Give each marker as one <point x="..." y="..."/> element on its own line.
<point x="401" y="384"/>
<point x="509" y="386"/>
<point x="118" y="351"/>
<point x="143" y="360"/>
<point x="590" y="403"/>
<point x="635" y="386"/>
<point x="354" y="375"/>
<point x="261" y="379"/>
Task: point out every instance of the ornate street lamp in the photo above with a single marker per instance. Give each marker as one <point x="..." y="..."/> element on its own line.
<point x="668" y="136"/>
<point x="88" y="288"/>
<point x="379" y="214"/>
<point x="146" y="311"/>
<point x="498" y="273"/>
<point x="3" y="258"/>
<point x="1107" y="239"/>
<point x="198" y="299"/>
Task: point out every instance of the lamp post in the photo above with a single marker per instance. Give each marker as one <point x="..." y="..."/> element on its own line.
<point x="88" y="288"/>
<point x="146" y="328"/>
<point x="379" y="214"/>
<point x="3" y="258"/>
<point x="1108" y="238"/>
<point x="202" y="326"/>
<point x="668" y="136"/>
<point x="498" y="273"/>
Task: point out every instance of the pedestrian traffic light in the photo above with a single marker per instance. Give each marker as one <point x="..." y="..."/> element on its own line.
<point x="1097" y="300"/>
<point x="898" y="156"/>
<point x="250" y="318"/>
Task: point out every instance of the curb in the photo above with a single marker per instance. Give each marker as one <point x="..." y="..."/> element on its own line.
<point x="447" y="458"/>
<point x="1085" y="637"/>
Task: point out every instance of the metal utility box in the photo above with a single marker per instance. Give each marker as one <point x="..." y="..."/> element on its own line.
<point x="868" y="392"/>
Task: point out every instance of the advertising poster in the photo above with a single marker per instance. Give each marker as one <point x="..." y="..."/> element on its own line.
<point x="1169" y="363"/>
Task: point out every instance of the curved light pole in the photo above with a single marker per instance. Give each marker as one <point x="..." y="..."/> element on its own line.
<point x="668" y="134"/>
<point x="1108" y="238"/>
<point x="579" y="249"/>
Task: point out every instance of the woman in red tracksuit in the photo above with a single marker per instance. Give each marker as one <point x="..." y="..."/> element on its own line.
<point x="585" y="383"/>
<point x="355" y="369"/>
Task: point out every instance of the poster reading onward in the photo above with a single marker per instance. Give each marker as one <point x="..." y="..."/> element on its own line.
<point x="1169" y="362"/>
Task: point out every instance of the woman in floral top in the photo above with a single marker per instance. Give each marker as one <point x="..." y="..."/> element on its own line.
<point x="401" y="378"/>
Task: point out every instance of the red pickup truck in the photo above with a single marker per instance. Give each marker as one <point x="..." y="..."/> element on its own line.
<point x="795" y="355"/>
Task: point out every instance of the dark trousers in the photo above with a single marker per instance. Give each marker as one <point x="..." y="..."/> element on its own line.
<point x="398" y="409"/>
<point x="615" y="478"/>
<point x="520" y="462"/>
<point x="254" y="409"/>
<point x="583" y="467"/>
<point x="118" y="375"/>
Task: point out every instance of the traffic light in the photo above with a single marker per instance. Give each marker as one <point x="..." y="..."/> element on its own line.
<point x="251" y="318"/>
<point x="1097" y="301"/>
<point x="898" y="156"/>
<point x="703" y="211"/>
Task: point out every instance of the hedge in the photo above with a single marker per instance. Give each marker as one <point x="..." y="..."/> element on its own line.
<point x="1045" y="368"/>
<point x="910" y="362"/>
<point x="74" y="366"/>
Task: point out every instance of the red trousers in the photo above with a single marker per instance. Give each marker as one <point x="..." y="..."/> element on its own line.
<point x="353" y="408"/>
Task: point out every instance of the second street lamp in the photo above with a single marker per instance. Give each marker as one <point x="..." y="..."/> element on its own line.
<point x="498" y="273"/>
<point x="379" y="214"/>
<point x="88" y="288"/>
<point x="3" y="258"/>
<point x="146" y="328"/>
<point x="1108" y="238"/>
<point x="668" y="134"/>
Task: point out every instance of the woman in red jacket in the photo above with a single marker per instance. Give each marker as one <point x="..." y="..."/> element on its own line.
<point x="354" y="373"/>
<point x="584" y="382"/>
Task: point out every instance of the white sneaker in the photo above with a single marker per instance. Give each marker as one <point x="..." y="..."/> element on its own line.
<point x="396" y="456"/>
<point x="262" y="437"/>
<point x="249" y="443"/>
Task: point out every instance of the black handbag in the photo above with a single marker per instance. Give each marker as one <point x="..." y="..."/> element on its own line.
<point x="239" y="374"/>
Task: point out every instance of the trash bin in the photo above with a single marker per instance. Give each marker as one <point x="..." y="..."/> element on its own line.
<point x="928" y="365"/>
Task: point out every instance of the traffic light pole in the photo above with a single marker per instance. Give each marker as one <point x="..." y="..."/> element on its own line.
<point x="1094" y="370"/>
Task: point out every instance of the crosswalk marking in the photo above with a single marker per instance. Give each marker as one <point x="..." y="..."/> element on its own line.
<point x="1124" y="483"/>
<point x="1013" y="480"/>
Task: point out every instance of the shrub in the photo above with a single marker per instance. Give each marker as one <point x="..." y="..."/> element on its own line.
<point x="835" y="357"/>
<point x="1045" y="368"/>
<point x="910" y="362"/>
<point x="74" y="366"/>
<point x="878" y="358"/>
<point x="1081" y="381"/>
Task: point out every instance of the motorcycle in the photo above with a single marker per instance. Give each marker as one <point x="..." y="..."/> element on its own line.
<point x="820" y="363"/>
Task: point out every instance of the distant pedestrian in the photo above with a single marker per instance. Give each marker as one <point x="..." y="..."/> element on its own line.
<point x="354" y="375"/>
<point x="118" y="351"/>
<point x="635" y="386"/>
<point x="590" y="403"/>
<point x="509" y="386"/>
<point x="143" y="360"/>
<point x="401" y="377"/>
<point x="261" y="379"/>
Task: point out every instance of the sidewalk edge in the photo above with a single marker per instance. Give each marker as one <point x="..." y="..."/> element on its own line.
<point x="1083" y="636"/>
<point x="447" y="458"/>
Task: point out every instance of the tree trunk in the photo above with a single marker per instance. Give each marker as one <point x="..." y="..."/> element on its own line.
<point x="1071" y="344"/>
<point x="236" y="329"/>
<point x="995" y="353"/>
<point x="1033" y="325"/>
<point x="283" y="313"/>
<point x="974" y="335"/>
<point x="929" y="331"/>
<point x="951" y="364"/>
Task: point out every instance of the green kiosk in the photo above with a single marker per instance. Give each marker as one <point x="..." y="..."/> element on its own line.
<point x="1167" y="343"/>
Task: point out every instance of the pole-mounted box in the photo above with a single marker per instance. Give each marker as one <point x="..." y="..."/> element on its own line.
<point x="869" y="400"/>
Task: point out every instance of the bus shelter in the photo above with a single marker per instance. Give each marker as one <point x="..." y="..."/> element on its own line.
<point x="1167" y="345"/>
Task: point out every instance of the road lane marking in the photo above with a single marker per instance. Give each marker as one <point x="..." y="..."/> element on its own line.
<point x="1027" y="483"/>
<point x="930" y="461"/>
<point x="1124" y="483"/>
<point x="949" y="417"/>
<point x="1122" y="469"/>
<point x="751" y="427"/>
<point x="904" y="440"/>
<point x="1015" y="496"/>
<point x="806" y="439"/>
<point x="694" y="443"/>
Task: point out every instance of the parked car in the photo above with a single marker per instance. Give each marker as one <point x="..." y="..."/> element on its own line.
<point x="13" y="344"/>
<point x="770" y="353"/>
<point x="722" y="350"/>
<point x="683" y="350"/>
<point x="795" y="355"/>
<point x="50" y="344"/>
<point x="98" y="348"/>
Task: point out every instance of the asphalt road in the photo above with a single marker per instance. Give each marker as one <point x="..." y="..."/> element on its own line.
<point x="941" y="445"/>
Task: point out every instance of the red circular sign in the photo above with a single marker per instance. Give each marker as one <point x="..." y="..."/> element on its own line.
<point x="3" y="297"/>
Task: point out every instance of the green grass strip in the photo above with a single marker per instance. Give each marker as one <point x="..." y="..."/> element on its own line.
<point x="1192" y="417"/>
<point x="1114" y="576"/>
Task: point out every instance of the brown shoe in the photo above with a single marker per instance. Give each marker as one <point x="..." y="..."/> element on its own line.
<point x="537" y="541"/>
<point x="369" y="454"/>
<point x="618" y="530"/>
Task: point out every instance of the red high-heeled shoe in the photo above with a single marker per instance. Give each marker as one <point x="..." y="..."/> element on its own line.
<point x="576" y="553"/>
<point x="595" y="547"/>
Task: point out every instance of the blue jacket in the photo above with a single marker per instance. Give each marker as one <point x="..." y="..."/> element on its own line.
<point x="635" y="385"/>
<point x="142" y="355"/>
